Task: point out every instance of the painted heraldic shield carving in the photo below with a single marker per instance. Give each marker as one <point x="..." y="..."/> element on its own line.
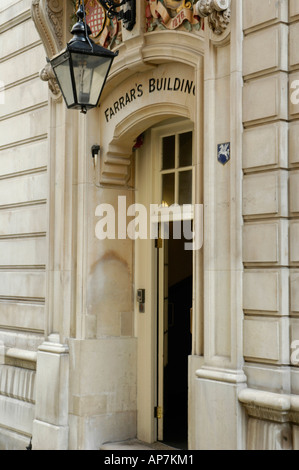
<point x="96" y="17"/>
<point x="171" y="14"/>
<point x="104" y="30"/>
<point x="223" y="153"/>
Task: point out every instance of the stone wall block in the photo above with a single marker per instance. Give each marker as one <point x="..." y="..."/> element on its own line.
<point x="266" y="147"/>
<point x="273" y="56"/>
<point x="265" y="99"/>
<point x="266" y="243"/>
<point x="265" y="195"/>
<point x="257" y="14"/>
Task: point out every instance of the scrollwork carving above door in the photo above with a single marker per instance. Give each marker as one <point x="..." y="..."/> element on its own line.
<point x="48" y="16"/>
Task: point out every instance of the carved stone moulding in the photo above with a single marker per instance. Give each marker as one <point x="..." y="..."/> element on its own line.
<point x="47" y="75"/>
<point x="217" y="11"/>
<point x="270" y="406"/>
<point x="47" y="16"/>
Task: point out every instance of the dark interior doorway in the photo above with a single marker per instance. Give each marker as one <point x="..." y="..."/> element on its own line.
<point x="178" y="289"/>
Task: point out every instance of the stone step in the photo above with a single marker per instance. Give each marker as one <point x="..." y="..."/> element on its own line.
<point x="135" y="444"/>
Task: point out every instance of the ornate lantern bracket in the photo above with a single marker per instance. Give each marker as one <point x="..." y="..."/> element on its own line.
<point x="127" y="14"/>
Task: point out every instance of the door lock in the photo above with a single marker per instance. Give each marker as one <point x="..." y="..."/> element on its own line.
<point x="141" y="300"/>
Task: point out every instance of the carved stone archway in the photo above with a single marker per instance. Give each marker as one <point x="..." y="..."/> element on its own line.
<point x="119" y="134"/>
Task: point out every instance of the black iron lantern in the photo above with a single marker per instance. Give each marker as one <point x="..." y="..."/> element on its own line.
<point x="82" y="68"/>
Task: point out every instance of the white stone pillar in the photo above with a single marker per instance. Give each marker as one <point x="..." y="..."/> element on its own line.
<point x="50" y="427"/>
<point x="50" y="430"/>
<point x="220" y="417"/>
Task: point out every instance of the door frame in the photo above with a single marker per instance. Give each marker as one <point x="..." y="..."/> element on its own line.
<point x="148" y="192"/>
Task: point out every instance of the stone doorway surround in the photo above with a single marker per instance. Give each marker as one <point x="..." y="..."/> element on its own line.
<point x="76" y="185"/>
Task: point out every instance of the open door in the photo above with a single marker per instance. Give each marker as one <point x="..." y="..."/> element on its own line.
<point x="174" y="339"/>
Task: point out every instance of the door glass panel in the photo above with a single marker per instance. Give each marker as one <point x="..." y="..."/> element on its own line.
<point x="185" y="187"/>
<point x="185" y="149"/>
<point x="168" y="189"/>
<point x="168" y="153"/>
<point x="176" y="169"/>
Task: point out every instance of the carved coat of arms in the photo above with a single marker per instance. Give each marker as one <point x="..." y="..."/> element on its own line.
<point x="96" y="17"/>
<point x="171" y="14"/>
<point x="104" y="30"/>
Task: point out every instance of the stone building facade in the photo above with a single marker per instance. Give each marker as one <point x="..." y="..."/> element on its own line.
<point x="201" y="108"/>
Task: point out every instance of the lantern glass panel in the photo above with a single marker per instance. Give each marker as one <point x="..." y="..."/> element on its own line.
<point x="89" y="73"/>
<point x="61" y="66"/>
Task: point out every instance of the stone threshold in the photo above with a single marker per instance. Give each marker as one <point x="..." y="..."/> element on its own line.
<point x="135" y="444"/>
